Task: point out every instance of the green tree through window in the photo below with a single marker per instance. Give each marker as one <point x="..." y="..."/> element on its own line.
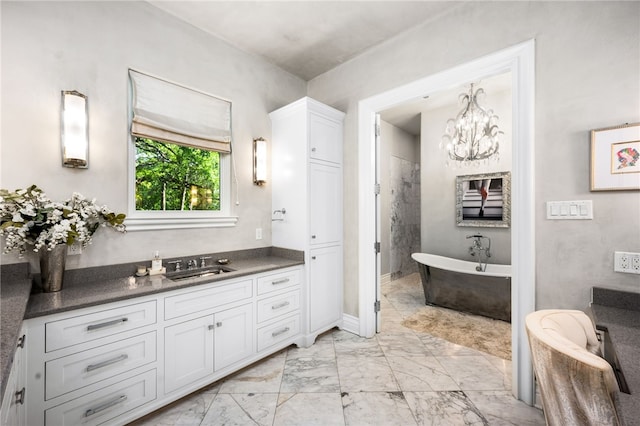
<point x="175" y="177"/>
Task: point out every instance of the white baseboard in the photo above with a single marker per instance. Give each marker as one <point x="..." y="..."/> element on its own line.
<point x="385" y="279"/>
<point x="351" y="324"/>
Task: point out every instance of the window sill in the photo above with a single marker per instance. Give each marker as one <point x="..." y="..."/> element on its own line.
<point x="150" y="224"/>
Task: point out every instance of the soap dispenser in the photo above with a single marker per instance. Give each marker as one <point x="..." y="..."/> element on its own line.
<point x="156" y="264"/>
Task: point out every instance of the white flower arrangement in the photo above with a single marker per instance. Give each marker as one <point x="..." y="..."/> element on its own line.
<point x="29" y="218"/>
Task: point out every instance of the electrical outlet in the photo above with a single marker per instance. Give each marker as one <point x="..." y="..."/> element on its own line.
<point x="626" y="262"/>
<point x="258" y="233"/>
<point x="74" y="249"/>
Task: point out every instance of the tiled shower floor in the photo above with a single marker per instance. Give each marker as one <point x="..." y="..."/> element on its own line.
<point x="399" y="377"/>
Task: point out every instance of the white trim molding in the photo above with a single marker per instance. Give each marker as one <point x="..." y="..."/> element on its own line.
<point x="350" y="324"/>
<point x="520" y="61"/>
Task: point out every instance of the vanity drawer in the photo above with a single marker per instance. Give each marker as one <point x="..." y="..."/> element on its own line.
<point x="84" y="328"/>
<point x="105" y="404"/>
<point x="275" y="306"/>
<point x="278" y="281"/>
<point x="200" y="300"/>
<point x="84" y="368"/>
<point x="278" y="332"/>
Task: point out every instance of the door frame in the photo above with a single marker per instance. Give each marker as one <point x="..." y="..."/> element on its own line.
<point x="520" y="61"/>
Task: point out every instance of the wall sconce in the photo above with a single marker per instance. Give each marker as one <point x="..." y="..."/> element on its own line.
<point x="259" y="161"/>
<point x="74" y="133"/>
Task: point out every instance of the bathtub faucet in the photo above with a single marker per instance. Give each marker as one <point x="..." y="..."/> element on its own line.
<point x="478" y="248"/>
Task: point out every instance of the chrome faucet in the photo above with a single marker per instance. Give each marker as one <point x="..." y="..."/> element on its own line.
<point x="192" y="264"/>
<point x="178" y="264"/>
<point x="478" y="248"/>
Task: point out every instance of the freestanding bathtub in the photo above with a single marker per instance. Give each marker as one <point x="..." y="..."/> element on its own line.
<point x="456" y="284"/>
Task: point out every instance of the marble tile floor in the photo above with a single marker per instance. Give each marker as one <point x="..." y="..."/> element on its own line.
<point x="398" y="377"/>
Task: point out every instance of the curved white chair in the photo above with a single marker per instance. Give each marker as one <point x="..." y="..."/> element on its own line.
<point x="576" y="384"/>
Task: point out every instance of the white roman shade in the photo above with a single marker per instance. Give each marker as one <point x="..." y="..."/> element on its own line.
<point x="176" y="114"/>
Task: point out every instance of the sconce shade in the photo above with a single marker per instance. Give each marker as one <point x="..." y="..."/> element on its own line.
<point x="74" y="130"/>
<point x="259" y="161"/>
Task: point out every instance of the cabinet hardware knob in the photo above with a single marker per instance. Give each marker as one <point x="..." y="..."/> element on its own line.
<point x="313" y="258"/>
<point x="119" y="358"/>
<point x="313" y="237"/>
<point x="20" y="396"/>
<point x="108" y="404"/>
<point x="218" y="324"/>
<point x="106" y="324"/>
<point x="313" y="149"/>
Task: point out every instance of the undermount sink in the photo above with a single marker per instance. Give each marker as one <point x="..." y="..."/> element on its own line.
<point x="198" y="273"/>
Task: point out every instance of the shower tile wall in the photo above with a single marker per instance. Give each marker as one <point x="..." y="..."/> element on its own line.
<point x="405" y="216"/>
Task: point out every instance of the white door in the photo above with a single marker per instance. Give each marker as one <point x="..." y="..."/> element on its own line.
<point x="378" y="229"/>
<point x="234" y="336"/>
<point x="188" y="352"/>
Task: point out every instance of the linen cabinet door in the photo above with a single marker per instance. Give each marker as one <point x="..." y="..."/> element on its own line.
<point x="325" y="288"/>
<point x="188" y="350"/>
<point x="325" y="202"/>
<point x="325" y="139"/>
<point x="234" y="335"/>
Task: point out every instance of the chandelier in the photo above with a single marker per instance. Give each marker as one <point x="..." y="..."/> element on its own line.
<point x="473" y="135"/>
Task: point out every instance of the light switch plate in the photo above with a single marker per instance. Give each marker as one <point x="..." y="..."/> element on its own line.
<point x="570" y="210"/>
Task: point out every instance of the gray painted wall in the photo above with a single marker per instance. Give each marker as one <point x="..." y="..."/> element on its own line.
<point x="439" y="232"/>
<point x="587" y="67"/>
<point x="88" y="46"/>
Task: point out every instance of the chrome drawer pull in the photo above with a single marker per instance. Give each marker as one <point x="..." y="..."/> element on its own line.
<point x="108" y="404"/>
<point x="280" y="305"/>
<point x="282" y="281"/>
<point x="277" y="333"/>
<point x="119" y="358"/>
<point x="20" y="396"/>
<point x="106" y="324"/>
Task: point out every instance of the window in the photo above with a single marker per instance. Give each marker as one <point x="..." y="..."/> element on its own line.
<point x="179" y="157"/>
<point x="175" y="177"/>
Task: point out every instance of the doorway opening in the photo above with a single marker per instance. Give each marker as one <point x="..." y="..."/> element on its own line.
<point x="519" y="61"/>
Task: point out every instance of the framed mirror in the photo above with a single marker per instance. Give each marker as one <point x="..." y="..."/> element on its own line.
<point x="484" y="200"/>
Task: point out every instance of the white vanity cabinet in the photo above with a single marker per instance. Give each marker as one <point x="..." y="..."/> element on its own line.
<point x="112" y="363"/>
<point x="13" y="404"/>
<point x="91" y="365"/>
<point x="307" y="182"/>
<point x="196" y="348"/>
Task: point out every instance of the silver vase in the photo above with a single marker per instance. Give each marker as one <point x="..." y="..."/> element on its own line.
<point x="52" y="264"/>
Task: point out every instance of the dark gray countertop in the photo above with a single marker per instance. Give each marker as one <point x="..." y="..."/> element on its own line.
<point x="618" y="312"/>
<point x="14" y="295"/>
<point x="99" y="285"/>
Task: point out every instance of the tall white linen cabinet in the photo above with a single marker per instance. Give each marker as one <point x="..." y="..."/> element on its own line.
<point x="306" y="155"/>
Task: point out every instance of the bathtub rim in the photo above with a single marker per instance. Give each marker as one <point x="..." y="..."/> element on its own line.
<point x="461" y="266"/>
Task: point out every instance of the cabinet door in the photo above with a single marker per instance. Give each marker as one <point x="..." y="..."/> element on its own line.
<point x="325" y="201"/>
<point x="188" y="352"/>
<point x="11" y="407"/>
<point x="234" y="335"/>
<point x="325" y="287"/>
<point x="325" y="139"/>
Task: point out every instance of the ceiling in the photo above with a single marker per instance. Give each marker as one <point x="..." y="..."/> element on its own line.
<point x="305" y="38"/>
<point x="308" y="38"/>
<point x="407" y="115"/>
